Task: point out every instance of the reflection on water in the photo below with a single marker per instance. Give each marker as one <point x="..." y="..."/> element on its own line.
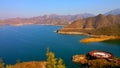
<point x="117" y="42"/>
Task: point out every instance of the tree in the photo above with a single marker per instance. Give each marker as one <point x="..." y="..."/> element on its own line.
<point x="52" y="62"/>
<point x="60" y="64"/>
<point x="9" y="66"/>
<point x="1" y="63"/>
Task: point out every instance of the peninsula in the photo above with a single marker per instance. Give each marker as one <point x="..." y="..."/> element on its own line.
<point x="99" y="28"/>
<point x="97" y="59"/>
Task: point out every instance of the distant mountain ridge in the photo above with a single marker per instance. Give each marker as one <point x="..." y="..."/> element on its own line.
<point x="113" y="12"/>
<point x="55" y="19"/>
<point x="52" y="19"/>
<point x="95" y="22"/>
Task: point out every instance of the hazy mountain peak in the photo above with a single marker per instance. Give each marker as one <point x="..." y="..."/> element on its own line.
<point x="100" y="15"/>
<point x="113" y="12"/>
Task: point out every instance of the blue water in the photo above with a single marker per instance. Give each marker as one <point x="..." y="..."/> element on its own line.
<point x="29" y="43"/>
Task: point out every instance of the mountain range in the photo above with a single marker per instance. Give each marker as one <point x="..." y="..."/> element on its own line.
<point x="94" y="22"/>
<point x="113" y="12"/>
<point x="52" y="19"/>
<point x="55" y="19"/>
<point x="100" y="24"/>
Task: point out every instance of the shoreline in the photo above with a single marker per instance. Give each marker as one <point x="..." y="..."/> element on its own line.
<point x="22" y="24"/>
<point x="91" y="38"/>
<point x="72" y="33"/>
<point x="99" y="38"/>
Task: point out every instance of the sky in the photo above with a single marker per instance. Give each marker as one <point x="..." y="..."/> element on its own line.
<point x="31" y="8"/>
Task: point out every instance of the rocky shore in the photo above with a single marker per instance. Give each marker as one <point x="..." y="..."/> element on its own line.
<point x="97" y="59"/>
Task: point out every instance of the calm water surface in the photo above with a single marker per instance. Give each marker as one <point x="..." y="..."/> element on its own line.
<point x="30" y="42"/>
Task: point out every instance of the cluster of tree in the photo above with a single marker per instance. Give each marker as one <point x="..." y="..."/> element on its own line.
<point x="53" y="62"/>
<point x="1" y="63"/>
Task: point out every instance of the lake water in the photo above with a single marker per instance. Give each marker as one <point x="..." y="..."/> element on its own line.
<point x="29" y="43"/>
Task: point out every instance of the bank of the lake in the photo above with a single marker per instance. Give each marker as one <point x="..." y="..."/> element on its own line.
<point x="91" y="38"/>
<point x="99" y="38"/>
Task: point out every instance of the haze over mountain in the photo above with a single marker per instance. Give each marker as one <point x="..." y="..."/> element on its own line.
<point x="113" y="12"/>
<point x="55" y="19"/>
<point x="52" y="19"/>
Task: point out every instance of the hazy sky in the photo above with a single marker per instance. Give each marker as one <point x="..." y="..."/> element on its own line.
<point x="30" y="8"/>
